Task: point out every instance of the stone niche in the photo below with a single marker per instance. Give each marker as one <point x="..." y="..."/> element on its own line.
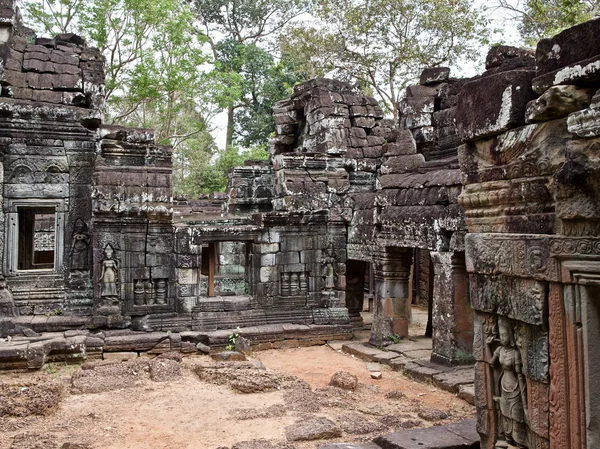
<point x="530" y="169"/>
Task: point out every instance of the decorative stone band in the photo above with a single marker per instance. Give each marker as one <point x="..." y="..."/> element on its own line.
<point x="541" y="257"/>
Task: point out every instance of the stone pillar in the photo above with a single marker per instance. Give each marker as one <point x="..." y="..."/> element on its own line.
<point x="392" y="295"/>
<point x="452" y="312"/>
<point x="355" y="290"/>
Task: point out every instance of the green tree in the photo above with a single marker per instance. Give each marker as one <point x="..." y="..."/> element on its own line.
<point x="545" y="18"/>
<point x="153" y="59"/>
<point x="212" y="177"/>
<point x="384" y="44"/>
<point x="242" y="35"/>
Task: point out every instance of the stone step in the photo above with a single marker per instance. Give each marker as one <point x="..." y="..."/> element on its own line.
<point x="462" y="435"/>
<point x="363" y="351"/>
<point x="349" y="446"/>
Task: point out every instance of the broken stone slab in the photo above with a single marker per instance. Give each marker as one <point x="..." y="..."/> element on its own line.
<point x="398" y="363"/>
<point x="386" y="357"/>
<point x="494" y="104"/>
<point x="454" y="436"/>
<point x="312" y="428"/>
<point x="362" y="351"/>
<point x="419" y="373"/>
<point x="452" y="380"/>
<point x="376" y="375"/>
<point x="410" y="345"/>
<point x="205" y="349"/>
<point x="417" y="354"/>
<point x="467" y="393"/>
<point x="136" y="341"/>
<point x="500" y="55"/>
<point x="349" y="446"/>
<point x="558" y="102"/>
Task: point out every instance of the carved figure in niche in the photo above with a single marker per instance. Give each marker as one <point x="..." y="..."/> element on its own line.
<point x="22" y="175"/>
<point x="7" y="303"/>
<point x="511" y="391"/>
<point x="328" y="261"/>
<point x="110" y="274"/>
<point x="80" y="247"/>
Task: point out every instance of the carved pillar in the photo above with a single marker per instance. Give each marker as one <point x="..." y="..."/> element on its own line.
<point x="392" y="295"/>
<point x="452" y="312"/>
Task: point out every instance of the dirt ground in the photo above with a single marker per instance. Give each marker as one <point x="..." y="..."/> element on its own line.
<point x="163" y="403"/>
<point x="193" y="402"/>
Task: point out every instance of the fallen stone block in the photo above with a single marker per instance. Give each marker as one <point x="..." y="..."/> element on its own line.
<point x="454" y="436"/>
<point x="312" y="428"/>
<point x="139" y="341"/>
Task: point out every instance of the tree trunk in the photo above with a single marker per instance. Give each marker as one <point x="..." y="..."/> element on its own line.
<point x="229" y="138"/>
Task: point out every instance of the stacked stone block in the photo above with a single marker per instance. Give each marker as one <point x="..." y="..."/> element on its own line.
<point x="530" y="198"/>
<point x="133" y="215"/>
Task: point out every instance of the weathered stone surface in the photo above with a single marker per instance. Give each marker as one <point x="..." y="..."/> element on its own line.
<point x="344" y="380"/>
<point x="434" y="75"/>
<point x="563" y="60"/>
<point x="558" y="102"/>
<point x="452" y="380"/>
<point x="349" y="446"/>
<point x="494" y="104"/>
<point x="312" y="428"/>
<point x="362" y="351"/>
<point x="454" y="436"/>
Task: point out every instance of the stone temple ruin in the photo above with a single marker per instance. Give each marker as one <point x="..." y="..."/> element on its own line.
<point x="483" y="202"/>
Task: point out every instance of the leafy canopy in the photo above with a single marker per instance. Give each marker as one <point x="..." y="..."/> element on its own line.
<point x="384" y="44"/>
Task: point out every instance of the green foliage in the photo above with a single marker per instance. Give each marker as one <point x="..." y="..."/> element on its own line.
<point x="211" y="176"/>
<point x="232" y="339"/>
<point x="153" y="57"/>
<point x="545" y="18"/>
<point x="384" y="44"/>
<point x="242" y="36"/>
<point x="395" y="338"/>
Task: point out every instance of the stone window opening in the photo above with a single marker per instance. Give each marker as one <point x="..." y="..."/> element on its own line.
<point x="37" y="238"/>
<point x="224" y="268"/>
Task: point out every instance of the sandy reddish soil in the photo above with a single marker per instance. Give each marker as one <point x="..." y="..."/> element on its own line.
<point x="188" y="413"/>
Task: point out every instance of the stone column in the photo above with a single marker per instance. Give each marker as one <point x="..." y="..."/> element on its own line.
<point x="391" y="314"/>
<point x="452" y="312"/>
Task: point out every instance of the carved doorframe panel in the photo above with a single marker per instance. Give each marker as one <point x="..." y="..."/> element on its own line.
<point x="581" y="300"/>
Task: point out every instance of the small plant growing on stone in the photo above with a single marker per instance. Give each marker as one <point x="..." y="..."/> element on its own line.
<point x="232" y="339"/>
<point x="395" y="338"/>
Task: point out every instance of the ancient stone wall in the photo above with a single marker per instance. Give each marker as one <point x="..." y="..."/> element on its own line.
<point x="529" y="168"/>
